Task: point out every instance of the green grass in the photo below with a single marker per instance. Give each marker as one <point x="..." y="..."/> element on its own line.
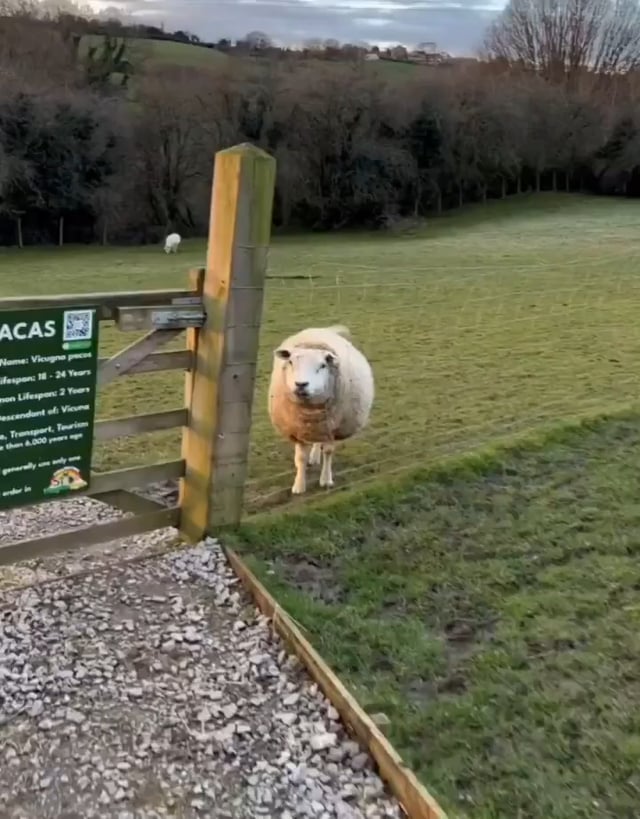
<point x="164" y="52"/>
<point x="183" y="54"/>
<point x="491" y="608"/>
<point x="493" y="321"/>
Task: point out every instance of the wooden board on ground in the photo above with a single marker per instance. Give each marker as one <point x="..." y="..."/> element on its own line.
<point x="416" y="801"/>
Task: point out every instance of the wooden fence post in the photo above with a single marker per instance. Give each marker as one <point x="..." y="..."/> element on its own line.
<point x="216" y="439"/>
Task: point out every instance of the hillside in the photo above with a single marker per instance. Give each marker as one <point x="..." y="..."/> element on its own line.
<point x="163" y="52"/>
<point x="191" y="55"/>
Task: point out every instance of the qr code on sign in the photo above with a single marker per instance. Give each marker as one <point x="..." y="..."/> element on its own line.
<point x="78" y="325"/>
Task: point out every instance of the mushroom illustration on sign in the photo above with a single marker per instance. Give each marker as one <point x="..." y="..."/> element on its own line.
<point x="65" y="479"/>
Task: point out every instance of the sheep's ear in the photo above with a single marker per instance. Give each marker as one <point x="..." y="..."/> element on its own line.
<point x="285" y="355"/>
<point x="331" y="359"/>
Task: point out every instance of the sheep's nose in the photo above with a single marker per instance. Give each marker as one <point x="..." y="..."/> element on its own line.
<point x="302" y="385"/>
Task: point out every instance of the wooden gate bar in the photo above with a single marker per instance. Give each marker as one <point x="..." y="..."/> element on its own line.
<point x="165" y="317"/>
<point x="123" y="361"/>
<point x="129" y="502"/>
<point x="134" y="476"/>
<point x="88" y="536"/>
<point x="106" y="303"/>
<point x="139" y="424"/>
<point x="157" y="362"/>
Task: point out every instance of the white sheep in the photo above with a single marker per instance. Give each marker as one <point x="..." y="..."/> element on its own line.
<point x="321" y="392"/>
<point x="171" y="243"/>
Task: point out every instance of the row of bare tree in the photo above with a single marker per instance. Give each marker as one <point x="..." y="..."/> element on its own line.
<point x="87" y="157"/>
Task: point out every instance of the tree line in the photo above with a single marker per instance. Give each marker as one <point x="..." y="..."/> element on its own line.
<point x="101" y="143"/>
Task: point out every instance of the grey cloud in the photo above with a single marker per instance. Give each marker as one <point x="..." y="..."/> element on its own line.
<point x="456" y="26"/>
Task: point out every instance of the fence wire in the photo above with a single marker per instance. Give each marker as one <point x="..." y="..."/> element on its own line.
<point x="461" y="357"/>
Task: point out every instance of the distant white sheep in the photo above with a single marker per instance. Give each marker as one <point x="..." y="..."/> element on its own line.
<point x="321" y="393"/>
<point x="171" y="243"/>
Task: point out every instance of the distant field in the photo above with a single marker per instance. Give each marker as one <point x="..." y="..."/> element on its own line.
<point x="178" y="53"/>
<point x="166" y="51"/>
<point x="492" y="322"/>
<point x="161" y="52"/>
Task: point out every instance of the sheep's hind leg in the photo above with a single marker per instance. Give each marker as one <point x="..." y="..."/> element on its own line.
<point x="326" y="475"/>
<point x="300" y="460"/>
<point x="315" y="456"/>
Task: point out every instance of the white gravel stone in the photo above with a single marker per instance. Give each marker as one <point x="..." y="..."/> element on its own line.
<point x="320" y="742"/>
<point x="152" y="678"/>
<point x="360" y="761"/>
<point x="75" y="716"/>
<point x="287" y="717"/>
<point x="230" y="710"/>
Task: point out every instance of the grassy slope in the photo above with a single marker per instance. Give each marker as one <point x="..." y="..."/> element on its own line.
<point x="165" y="52"/>
<point x="178" y="53"/>
<point x="491" y="609"/>
<point x="161" y="52"/>
<point x="494" y="321"/>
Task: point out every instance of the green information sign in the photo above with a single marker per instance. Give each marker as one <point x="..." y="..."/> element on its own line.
<point x="48" y="366"/>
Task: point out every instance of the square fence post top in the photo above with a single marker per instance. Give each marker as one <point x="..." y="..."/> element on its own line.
<point x="247" y="149"/>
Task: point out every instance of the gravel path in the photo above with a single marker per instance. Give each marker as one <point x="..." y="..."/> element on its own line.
<point x="154" y="689"/>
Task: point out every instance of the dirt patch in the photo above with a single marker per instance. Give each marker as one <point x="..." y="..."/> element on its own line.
<point x="464" y="637"/>
<point x="313" y="578"/>
<point x="461" y="640"/>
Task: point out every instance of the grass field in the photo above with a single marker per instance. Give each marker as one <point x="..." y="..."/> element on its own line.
<point x="491" y="609"/>
<point x="492" y="322"/>
<point x="165" y="52"/>
<point x="489" y="605"/>
<point x="168" y="52"/>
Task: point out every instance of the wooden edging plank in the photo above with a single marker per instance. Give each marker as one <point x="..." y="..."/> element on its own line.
<point x="131" y="477"/>
<point x="88" y="536"/>
<point x="157" y="362"/>
<point x="416" y="801"/>
<point x="139" y="424"/>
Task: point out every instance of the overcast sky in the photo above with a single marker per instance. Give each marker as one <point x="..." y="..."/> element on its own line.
<point x="455" y="26"/>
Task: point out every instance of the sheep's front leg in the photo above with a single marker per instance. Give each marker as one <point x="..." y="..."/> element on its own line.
<point x="326" y="475"/>
<point x="300" y="460"/>
<point x="316" y="455"/>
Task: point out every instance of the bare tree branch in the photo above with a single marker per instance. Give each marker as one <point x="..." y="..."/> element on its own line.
<point x="561" y="39"/>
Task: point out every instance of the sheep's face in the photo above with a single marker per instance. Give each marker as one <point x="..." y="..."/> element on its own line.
<point x="309" y="374"/>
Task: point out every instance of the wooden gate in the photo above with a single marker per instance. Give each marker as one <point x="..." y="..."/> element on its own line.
<point x="220" y="310"/>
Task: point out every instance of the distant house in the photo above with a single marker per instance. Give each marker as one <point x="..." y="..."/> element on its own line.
<point x="371" y="57"/>
<point x="399" y="52"/>
<point x="429" y="57"/>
